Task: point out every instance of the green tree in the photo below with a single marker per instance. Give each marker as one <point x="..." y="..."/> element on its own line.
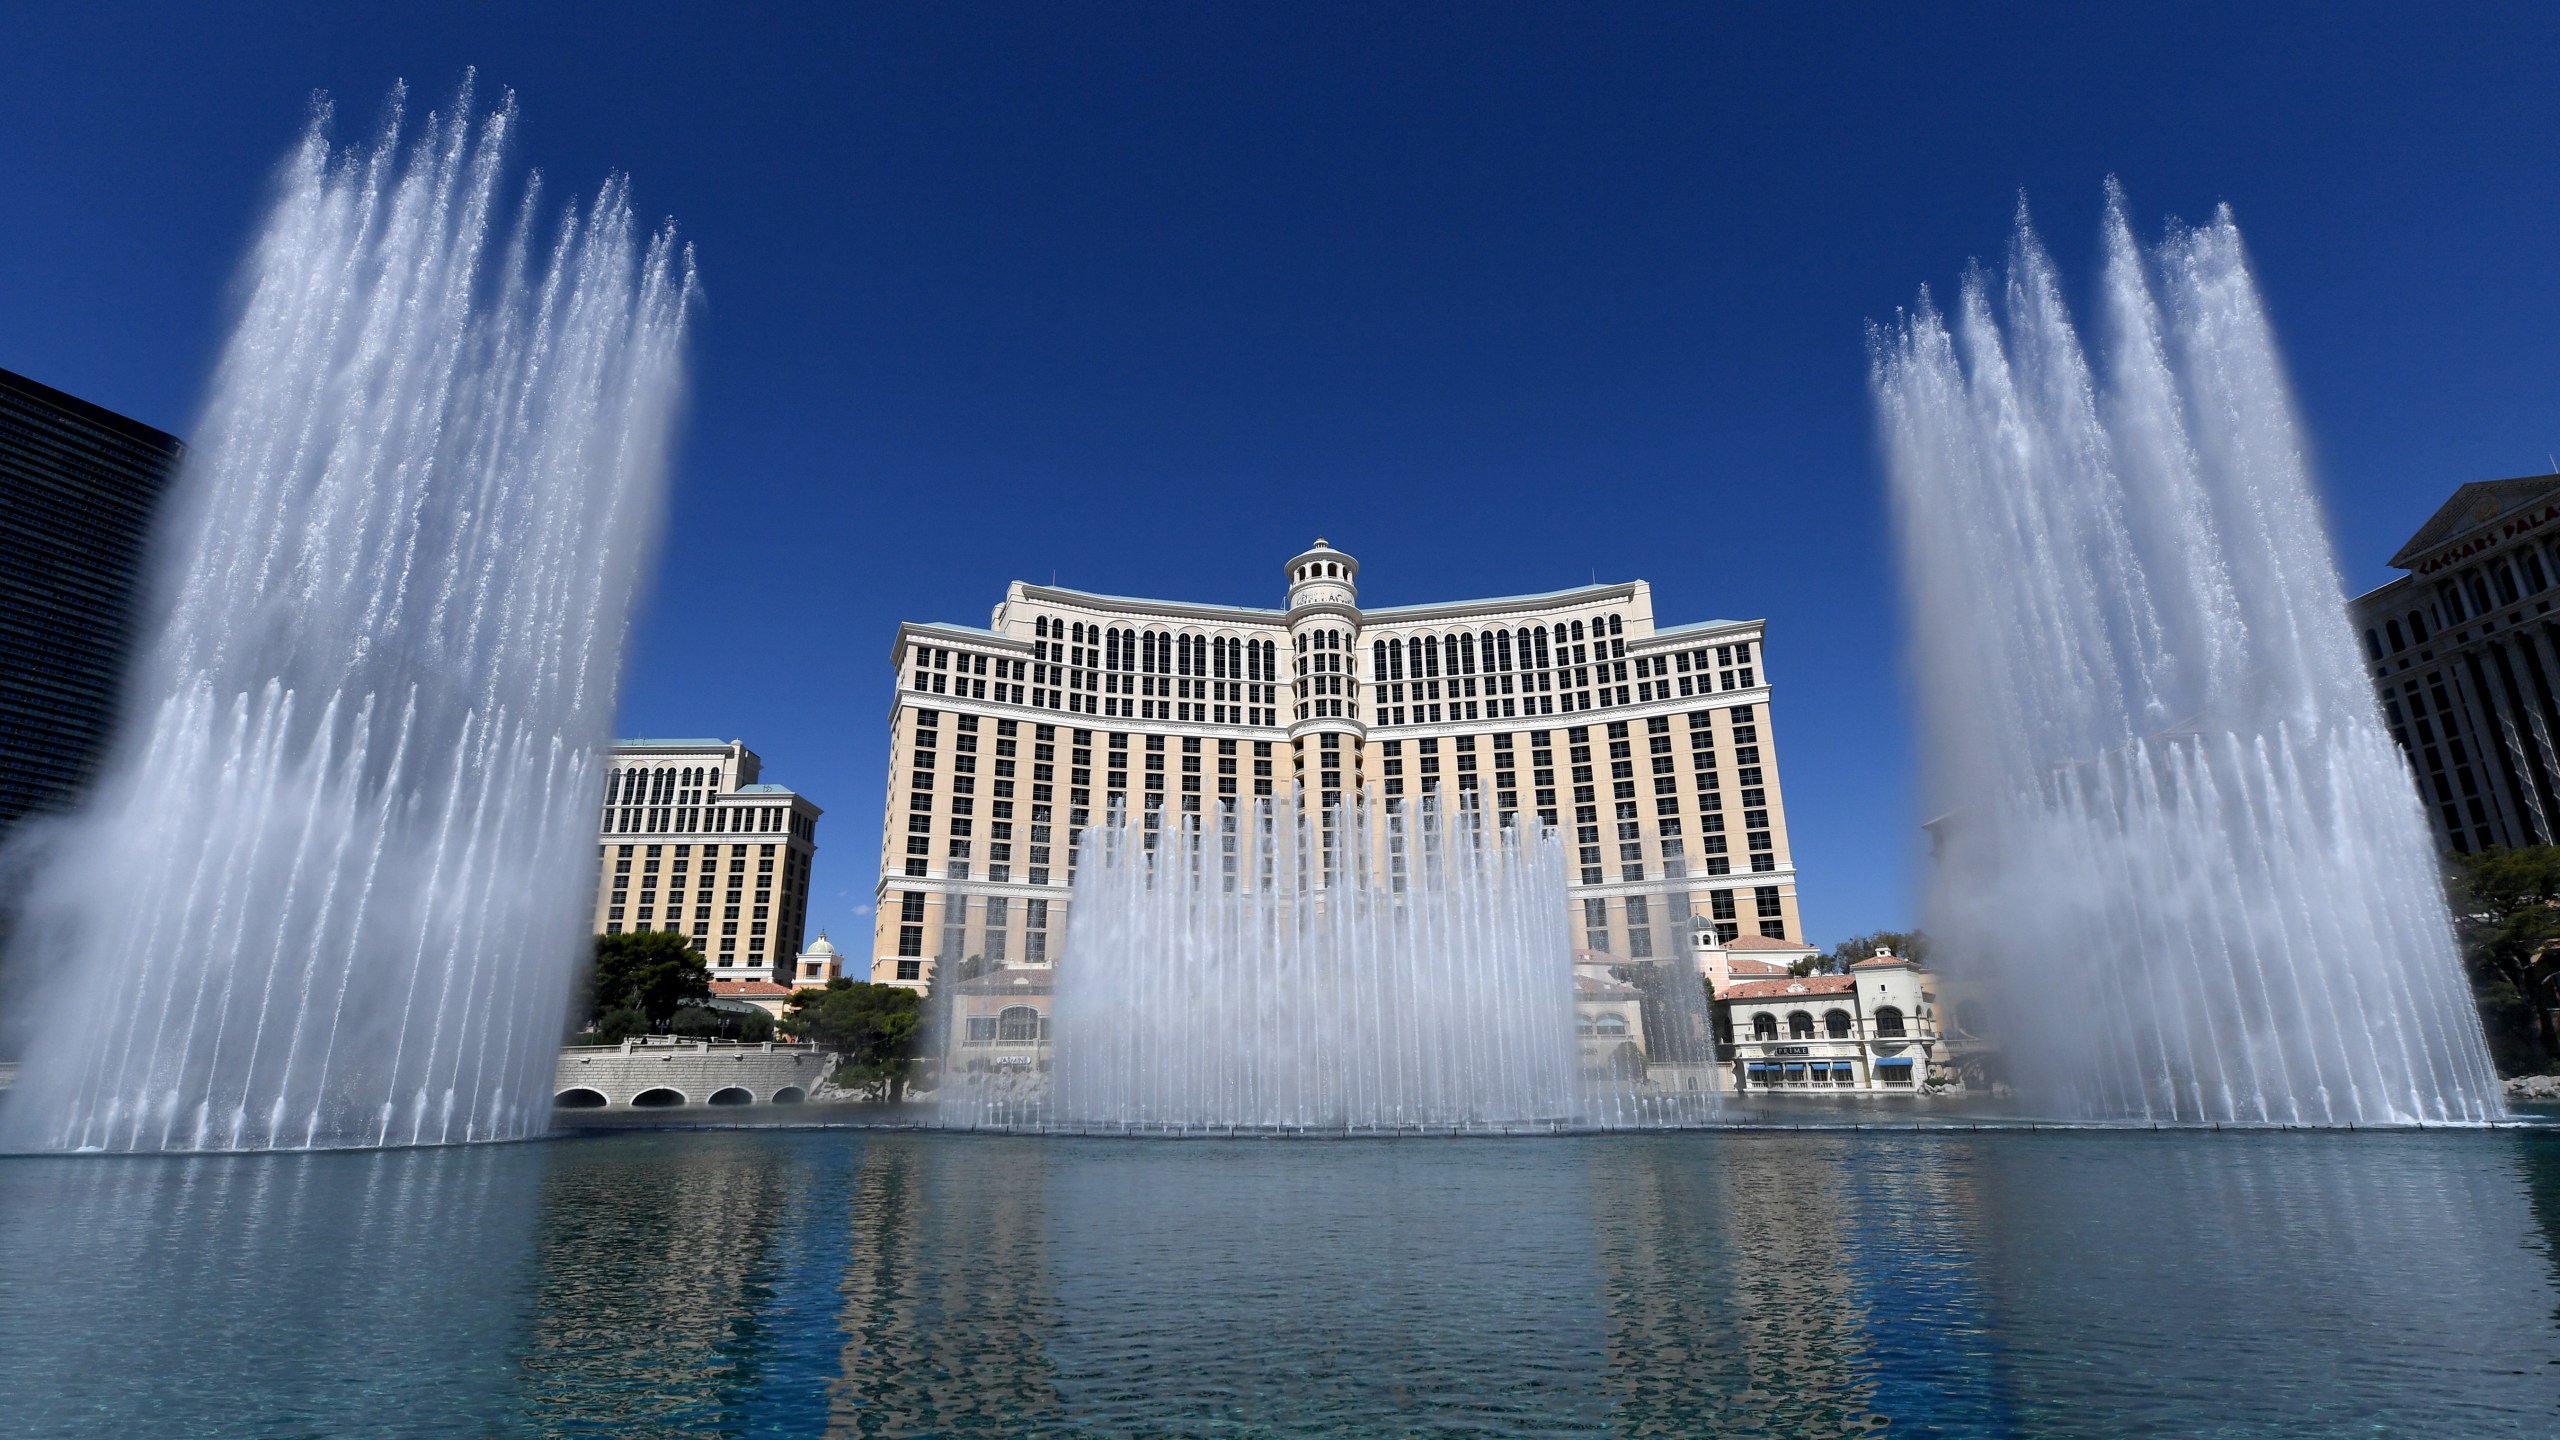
<point x="873" y="1031"/>
<point x="1909" y="944"/>
<point x="705" y="1022"/>
<point x="614" y="1026"/>
<point x="2506" y="905"/>
<point x="652" y="974"/>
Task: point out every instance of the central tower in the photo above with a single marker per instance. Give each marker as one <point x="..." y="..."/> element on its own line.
<point x="1325" y="731"/>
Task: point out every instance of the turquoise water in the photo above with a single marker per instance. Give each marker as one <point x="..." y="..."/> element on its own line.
<point x="848" y="1282"/>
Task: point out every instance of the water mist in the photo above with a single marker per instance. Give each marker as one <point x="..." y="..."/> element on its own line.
<point x="2179" y="859"/>
<point x="1358" y="969"/>
<point x="332" y="886"/>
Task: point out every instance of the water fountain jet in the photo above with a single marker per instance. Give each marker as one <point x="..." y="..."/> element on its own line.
<point x="331" y="886"/>
<point x="2177" y="848"/>
<point x="1402" y="968"/>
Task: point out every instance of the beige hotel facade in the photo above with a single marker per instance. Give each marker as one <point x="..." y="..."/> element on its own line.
<point x="1651" y="748"/>
<point x="692" y="841"/>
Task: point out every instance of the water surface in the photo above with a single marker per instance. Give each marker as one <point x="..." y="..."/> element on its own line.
<point x="849" y="1282"/>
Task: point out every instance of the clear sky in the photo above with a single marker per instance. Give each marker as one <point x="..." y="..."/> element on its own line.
<point x="1497" y="298"/>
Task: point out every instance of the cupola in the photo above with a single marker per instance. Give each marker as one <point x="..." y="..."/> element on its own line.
<point x="1323" y="575"/>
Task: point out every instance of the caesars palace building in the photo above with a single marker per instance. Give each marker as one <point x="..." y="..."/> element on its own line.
<point x="1649" y="747"/>
<point x="2464" y="652"/>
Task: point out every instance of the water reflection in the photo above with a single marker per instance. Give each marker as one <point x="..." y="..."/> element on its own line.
<point x="673" y="1284"/>
<point x="2282" y="1284"/>
<point x="948" y="1294"/>
<point x="332" y="1294"/>
<point x="1283" y="1290"/>
<point x="836" y="1283"/>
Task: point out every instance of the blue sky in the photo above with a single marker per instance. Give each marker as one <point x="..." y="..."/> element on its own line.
<point x="1496" y="297"/>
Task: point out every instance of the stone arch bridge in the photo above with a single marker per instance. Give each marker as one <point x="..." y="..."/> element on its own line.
<point x="665" y="1072"/>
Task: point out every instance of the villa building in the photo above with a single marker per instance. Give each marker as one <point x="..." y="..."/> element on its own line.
<point x="1717" y="954"/>
<point x="2465" y="653"/>
<point x="814" y="969"/>
<point x="716" y="855"/>
<point x="1875" y="1028"/>
<point x="1651" y="748"/>
<point x="1608" y="1020"/>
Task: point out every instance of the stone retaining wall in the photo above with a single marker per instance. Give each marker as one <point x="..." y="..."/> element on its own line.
<point x="657" y="1072"/>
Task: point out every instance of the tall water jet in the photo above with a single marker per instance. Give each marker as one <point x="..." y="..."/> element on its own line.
<point x="2175" y="843"/>
<point x="1355" y="970"/>
<point x="331" y="888"/>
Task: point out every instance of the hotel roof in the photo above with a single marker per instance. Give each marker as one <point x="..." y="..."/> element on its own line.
<point x="1790" y="989"/>
<point x="748" y="990"/>
<point x="1763" y="942"/>
<point x="1386" y="615"/>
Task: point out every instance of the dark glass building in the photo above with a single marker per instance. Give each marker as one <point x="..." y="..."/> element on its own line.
<point x="78" y="485"/>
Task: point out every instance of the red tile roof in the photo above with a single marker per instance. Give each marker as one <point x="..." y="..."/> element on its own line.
<point x="1755" y="967"/>
<point x="749" y="989"/>
<point x="1591" y="989"/>
<point x="1881" y="962"/>
<point x="1763" y="942"/>
<point x="1789" y="989"/>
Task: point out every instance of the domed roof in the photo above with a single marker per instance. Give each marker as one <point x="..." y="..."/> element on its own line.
<point x="820" y="946"/>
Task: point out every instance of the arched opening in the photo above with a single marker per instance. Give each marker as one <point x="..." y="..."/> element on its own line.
<point x="733" y="1095"/>
<point x="1888" y="1020"/>
<point x="1799" y="1025"/>
<point x="579" y="1099"/>
<point x="1613" y="1026"/>
<point x="1835" y="1023"/>
<point x="658" y="1098"/>
<point x="1017" y="1025"/>
<point x="1764" y="1026"/>
<point x="789" y="1095"/>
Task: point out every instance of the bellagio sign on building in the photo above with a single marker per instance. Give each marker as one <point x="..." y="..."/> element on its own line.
<point x="1650" y="747"/>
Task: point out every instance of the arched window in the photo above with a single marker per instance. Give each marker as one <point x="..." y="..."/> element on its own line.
<point x="2397" y="644"/>
<point x="2373" y="643"/>
<point x="1611" y="1024"/>
<point x="1018" y="1025"/>
<point x="1835" y="1023"/>
<point x="2418" y="627"/>
<point x="1799" y="1025"/>
<point x="1467" y="654"/>
<point x="1888" y="1020"/>
<point x="1497" y="642"/>
<point x="1614" y="627"/>
<point x="1764" y="1026"/>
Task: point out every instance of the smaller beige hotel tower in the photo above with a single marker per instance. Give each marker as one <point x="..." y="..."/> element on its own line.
<point x="692" y="843"/>
<point x="1650" y="747"/>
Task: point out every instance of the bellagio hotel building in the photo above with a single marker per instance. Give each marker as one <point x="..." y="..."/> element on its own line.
<point x="1651" y="747"/>
<point x="692" y="842"/>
